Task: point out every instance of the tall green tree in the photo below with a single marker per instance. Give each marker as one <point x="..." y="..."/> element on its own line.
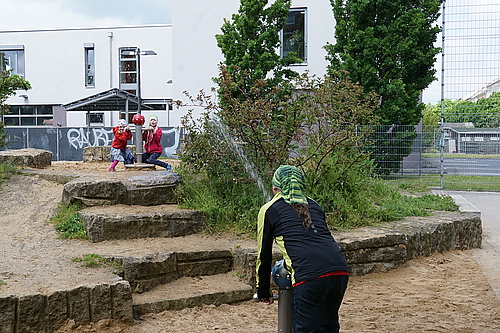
<point x="387" y="46"/>
<point x="249" y="42"/>
<point x="8" y="86"/>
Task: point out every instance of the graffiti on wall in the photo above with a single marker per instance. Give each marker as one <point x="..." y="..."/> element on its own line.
<point x="66" y="144"/>
<point x="84" y="137"/>
<point x="171" y="151"/>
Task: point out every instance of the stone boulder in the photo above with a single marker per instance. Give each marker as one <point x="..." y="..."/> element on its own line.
<point x="29" y="157"/>
<point x="100" y="153"/>
<point x="149" y="189"/>
<point x="132" y="221"/>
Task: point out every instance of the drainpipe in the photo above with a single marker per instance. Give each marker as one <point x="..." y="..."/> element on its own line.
<point x="110" y="35"/>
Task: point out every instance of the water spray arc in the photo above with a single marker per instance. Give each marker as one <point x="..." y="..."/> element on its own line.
<point x="247" y="164"/>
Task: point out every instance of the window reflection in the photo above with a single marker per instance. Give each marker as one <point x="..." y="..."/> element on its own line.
<point x="294" y="36"/>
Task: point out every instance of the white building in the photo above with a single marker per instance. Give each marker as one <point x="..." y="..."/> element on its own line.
<point x="68" y="65"/>
<point x="81" y="76"/>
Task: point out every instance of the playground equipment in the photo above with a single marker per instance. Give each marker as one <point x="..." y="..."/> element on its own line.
<point x="281" y="277"/>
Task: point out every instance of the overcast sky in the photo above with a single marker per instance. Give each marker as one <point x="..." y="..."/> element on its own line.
<point x="45" y="14"/>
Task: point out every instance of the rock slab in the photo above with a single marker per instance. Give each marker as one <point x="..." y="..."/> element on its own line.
<point x="29" y="157"/>
<point x="130" y="222"/>
<point x="152" y="188"/>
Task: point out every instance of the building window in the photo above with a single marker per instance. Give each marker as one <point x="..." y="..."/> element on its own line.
<point x="12" y="58"/>
<point x="89" y="65"/>
<point x="294" y="34"/>
<point x="29" y="115"/>
<point x="128" y="69"/>
<point x="96" y="119"/>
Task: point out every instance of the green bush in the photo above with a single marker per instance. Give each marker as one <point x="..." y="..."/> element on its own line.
<point x="67" y="222"/>
<point x="7" y="170"/>
<point x="230" y="153"/>
<point x="229" y="206"/>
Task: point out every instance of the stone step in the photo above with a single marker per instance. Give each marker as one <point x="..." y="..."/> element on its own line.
<point x="140" y="166"/>
<point x="145" y="272"/>
<point x="129" y="222"/>
<point x="149" y="188"/>
<point x="192" y="291"/>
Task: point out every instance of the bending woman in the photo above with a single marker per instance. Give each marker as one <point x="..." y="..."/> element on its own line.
<point x="316" y="264"/>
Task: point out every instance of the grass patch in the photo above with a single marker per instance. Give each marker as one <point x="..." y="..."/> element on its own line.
<point x="437" y="155"/>
<point x="94" y="260"/>
<point x="230" y="208"/>
<point x="67" y="222"/>
<point x="360" y="202"/>
<point x="450" y="182"/>
<point x="378" y="201"/>
<point x="7" y="170"/>
<point x="2" y="283"/>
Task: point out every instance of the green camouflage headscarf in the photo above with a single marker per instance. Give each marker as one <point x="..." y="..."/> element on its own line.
<point x="291" y="182"/>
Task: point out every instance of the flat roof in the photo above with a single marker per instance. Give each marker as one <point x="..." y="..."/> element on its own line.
<point x="114" y="100"/>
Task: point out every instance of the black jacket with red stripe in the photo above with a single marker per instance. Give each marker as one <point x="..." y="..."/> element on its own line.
<point x="308" y="253"/>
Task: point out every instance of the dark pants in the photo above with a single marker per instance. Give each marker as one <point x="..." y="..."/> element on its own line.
<point x="153" y="159"/>
<point x="316" y="303"/>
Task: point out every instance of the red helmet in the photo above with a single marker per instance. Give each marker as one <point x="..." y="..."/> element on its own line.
<point x="138" y="119"/>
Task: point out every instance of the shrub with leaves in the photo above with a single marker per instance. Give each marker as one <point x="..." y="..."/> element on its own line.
<point x="67" y="222"/>
<point x="8" y="86"/>
<point x="232" y="152"/>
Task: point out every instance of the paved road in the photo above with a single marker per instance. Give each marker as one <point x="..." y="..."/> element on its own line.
<point x="466" y="166"/>
<point x="488" y="203"/>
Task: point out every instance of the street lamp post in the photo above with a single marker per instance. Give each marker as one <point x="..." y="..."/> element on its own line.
<point x="138" y="127"/>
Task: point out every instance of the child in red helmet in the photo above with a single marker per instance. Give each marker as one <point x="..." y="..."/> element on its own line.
<point x="119" y="151"/>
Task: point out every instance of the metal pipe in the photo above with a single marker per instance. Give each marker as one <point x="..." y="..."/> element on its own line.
<point x="285" y="311"/>
<point x="281" y="277"/>
<point x="110" y="35"/>
<point x="138" y="128"/>
<point x="441" y="141"/>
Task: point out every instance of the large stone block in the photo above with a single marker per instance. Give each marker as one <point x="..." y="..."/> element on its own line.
<point x="244" y="263"/>
<point x="121" y="296"/>
<point x="100" y="302"/>
<point x="370" y="237"/>
<point x="131" y="222"/>
<point x="88" y="189"/>
<point x="7" y="314"/>
<point x="150" y="189"/>
<point x="469" y="232"/>
<point x="28" y="157"/>
<point x="146" y="272"/>
<point x="374" y="267"/>
<point x="204" y="263"/>
<point x="31" y="314"/>
<point x="378" y="254"/>
<point x="153" y="188"/>
<point x="78" y="305"/>
<point x="57" y="310"/>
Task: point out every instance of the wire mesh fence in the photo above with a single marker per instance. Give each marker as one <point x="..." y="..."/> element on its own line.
<point x="463" y="150"/>
<point x="438" y="156"/>
<point x="470" y="96"/>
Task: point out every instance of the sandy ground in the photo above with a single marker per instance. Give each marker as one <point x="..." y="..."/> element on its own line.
<point x="442" y="293"/>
